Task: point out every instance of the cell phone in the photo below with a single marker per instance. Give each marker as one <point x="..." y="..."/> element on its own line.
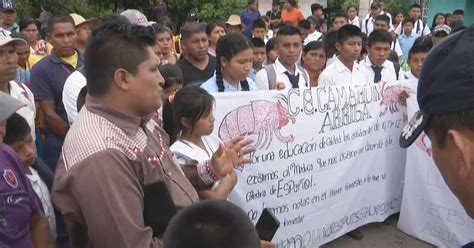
<point x="267" y="225"/>
<point x="158" y="208"/>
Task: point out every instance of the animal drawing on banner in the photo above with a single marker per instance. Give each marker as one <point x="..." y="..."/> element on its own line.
<point x="424" y="143"/>
<point x="392" y="101"/>
<point x="263" y="118"/>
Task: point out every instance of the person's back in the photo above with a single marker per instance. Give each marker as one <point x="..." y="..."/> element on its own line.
<point x="211" y="224"/>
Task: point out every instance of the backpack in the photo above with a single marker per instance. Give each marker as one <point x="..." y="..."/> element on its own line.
<point x="271" y="75"/>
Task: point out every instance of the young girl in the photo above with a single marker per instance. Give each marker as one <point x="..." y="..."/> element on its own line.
<point x="234" y="55"/>
<point x="173" y="83"/>
<point x="314" y="60"/>
<point x="192" y="111"/>
<point x="271" y="52"/>
<point x="164" y="39"/>
<point x="352" y="15"/>
<point x="214" y="31"/>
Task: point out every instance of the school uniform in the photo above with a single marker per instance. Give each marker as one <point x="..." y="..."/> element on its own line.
<point x="420" y="28"/>
<point x="356" y="22"/>
<point x="337" y="74"/>
<point x="396" y="47"/>
<point x="185" y="150"/>
<point x="211" y="85"/>
<point x="409" y="75"/>
<point x="375" y="74"/>
<point x="314" y="36"/>
<point x="368" y="26"/>
<point x="406" y="42"/>
<point x="284" y="76"/>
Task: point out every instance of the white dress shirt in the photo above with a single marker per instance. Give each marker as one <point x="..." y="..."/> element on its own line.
<point x="24" y="95"/>
<point x="420" y="28"/>
<point x="409" y="75"/>
<point x="72" y="87"/>
<point x="355" y="22"/>
<point x="262" y="78"/>
<point x="337" y="73"/>
<point x="388" y="70"/>
<point x="397" y="48"/>
<point x="312" y="37"/>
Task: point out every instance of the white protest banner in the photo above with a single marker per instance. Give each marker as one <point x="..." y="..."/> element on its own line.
<point x="328" y="159"/>
<point x="430" y="211"/>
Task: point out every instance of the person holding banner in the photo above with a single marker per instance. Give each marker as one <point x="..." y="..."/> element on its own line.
<point x="446" y="100"/>
<point x="234" y="58"/>
<point x="193" y="118"/>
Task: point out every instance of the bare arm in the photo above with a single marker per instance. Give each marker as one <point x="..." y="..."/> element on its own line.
<point x="39" y="229"/>
<point x="55" y="122"/>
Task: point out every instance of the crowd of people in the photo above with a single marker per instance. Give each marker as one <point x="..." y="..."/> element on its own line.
<point x="97" y="117"/>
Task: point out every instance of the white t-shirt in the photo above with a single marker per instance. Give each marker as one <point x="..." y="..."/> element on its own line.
<point x="388" y="71"/>
<point x="337" y="73"/>
<point x="262" y="78"/>
<point x="72" y="87"/>
<point x="42" y="191"/>
<point x="24" y="95"/>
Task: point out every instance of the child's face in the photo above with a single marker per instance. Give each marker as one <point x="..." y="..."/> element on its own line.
<point x="379" y="52"/>
<point x="351" y="13"/>
<point x="350" y="49"/>
<point x="416" y="62"/>
<point x="415" y="13"/>
<point x="26" y="150"/>
<point x="238" y="67"/>
<point x="164" y="42"/>
<point x="379" y="24"/>
<point x="339" y="22"/>
<point x="407" y="27"/>
<point x="258" y="56"/>
<point x="272" y="56"/>
<point x="289" y="48"/>
<point x="205" y="125"/>
<point x="259" y="33"/>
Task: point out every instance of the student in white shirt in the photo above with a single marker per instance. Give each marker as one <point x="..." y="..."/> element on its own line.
<point x="285" y="72"/>
<point x="383" y="22"/>
<point x="419" y="27"/>
<point x="313" y="35"/>
<point x="194" y="121"/>
<point x="369" y="22"/>
<point x="352" y="15"/>
<point x="416" y="58"/>
<point x="340" y="19"/>
<point x="376" y="64"/>
<point x="345" y="69"/>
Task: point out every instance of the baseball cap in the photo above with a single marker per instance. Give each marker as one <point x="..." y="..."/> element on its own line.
<point x="234" y="20"/>
<point x="441" y="28"/>
<point x="135" y="17"/>
<point x="7" y="5"/>
<point x="6" y="38"/>
<point x="192" y="16"/>
<point x="79" y="20"/>
<point x="446" y="82"/>
<point x="9" y="106"/>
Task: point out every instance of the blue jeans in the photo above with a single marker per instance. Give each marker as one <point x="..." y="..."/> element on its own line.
<point x="52" y="149"/>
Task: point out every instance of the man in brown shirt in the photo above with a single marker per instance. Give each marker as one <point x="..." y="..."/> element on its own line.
<point x="114" y="150"/>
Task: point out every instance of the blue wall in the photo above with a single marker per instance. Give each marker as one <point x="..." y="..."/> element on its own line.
<point x="448" y="6"/>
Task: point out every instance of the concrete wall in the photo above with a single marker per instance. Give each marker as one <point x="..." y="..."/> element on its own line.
<point x="304" y="5"/>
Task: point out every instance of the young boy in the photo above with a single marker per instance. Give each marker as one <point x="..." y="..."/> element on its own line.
<point x="407" y="38"/>
<point x="285" y="73"/>
<point x="420" y="28"/>
<point x="416" y="58"/>
<point x="340" y="19"/>
<point x="345" y="69"/>
<point x="18" y="136"/>
<point x="259" y="30"/>
<point x="259" y="55"/>
<point x="271" y="52"/>
<point x="377" y="66"/>
<point x="369" y="21"/>
<point x="313" y="35"/>
<point x="304" y="27"/>
<point x="383" y="22"/>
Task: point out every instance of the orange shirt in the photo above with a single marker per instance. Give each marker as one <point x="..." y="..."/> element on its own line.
<point x="295" y="16"/>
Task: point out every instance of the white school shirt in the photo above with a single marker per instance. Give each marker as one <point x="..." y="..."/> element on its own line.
<point x="42" y="191"/>
<point x="355" y="22"/>
<point x="262" y="78"/>
<point x="24" y="95"/>
<point x="312" y="37"/>
<point x="337" y="73"/>
<point x="381" y="13"/>
<point x="72" y="87"/>
<point x="396" y="47"/>
<point x="388" y="71"/>
<point x="409" y="75"/>
<point x="368" y="26"/>
<point x="417" y="28"/>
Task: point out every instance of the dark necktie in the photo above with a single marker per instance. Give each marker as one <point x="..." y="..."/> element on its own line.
<point x="294" y="79"/>
<point x="378" y="73"/>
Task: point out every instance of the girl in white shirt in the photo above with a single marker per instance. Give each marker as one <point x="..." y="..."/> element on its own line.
<point x="192" y="109"/>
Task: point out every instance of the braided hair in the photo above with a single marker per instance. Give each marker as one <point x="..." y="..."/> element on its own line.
<point x="228" y="46"/>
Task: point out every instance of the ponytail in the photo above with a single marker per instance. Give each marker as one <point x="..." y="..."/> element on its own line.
<point x="219" y="79"/>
